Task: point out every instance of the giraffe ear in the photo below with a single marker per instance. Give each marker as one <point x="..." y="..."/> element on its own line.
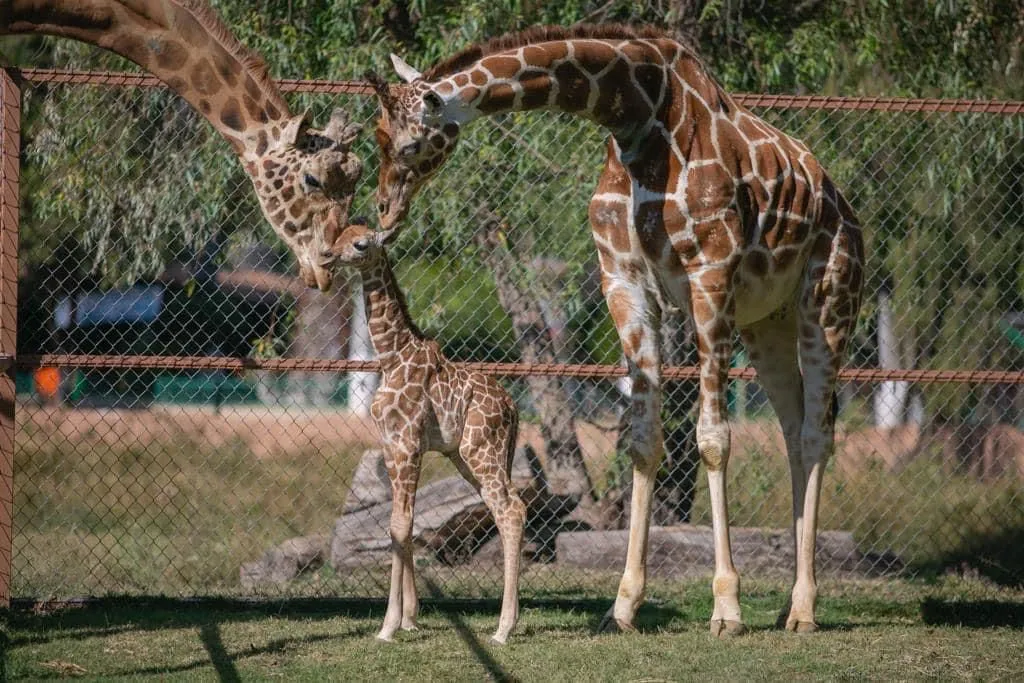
<point x="294" y="128"/>
<point x="340" y="130"/>
<point x="404" y="71"/>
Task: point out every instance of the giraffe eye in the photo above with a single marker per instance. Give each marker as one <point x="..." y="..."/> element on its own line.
<point x="312" y="182"/>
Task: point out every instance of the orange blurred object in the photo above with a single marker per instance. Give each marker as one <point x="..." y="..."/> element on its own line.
<point x="47" y="381"/>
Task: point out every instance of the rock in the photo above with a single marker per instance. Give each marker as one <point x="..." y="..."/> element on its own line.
<point x="370" y="483"/>
<point x="687" y="549"/>
<point x="286" y="561"/>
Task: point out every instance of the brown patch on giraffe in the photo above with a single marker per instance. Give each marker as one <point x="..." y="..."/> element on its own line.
<point x="768" y="164"/>
<point x="253" y="108"/>
<point x="188" y="28"/>
<point x="445" y="88"/>
<point x="296" y="209"/>
<point x="469" y="95"/>
<point x="502" y="66"/>
<point x="497" y="98"/>
<point x="651" y="78"/>
<point x="713" y="239"/>
<point x="546" y="54"/>
<point x="290" y="227"/>
<point x="288" y="193"/>
<point x="227" y="67"/>
<point x="641" y="53"/>
<point x="573" y="87"/>
<point x="169" y="55"/>
<point x="733" y="150"/>
<point x="273" y="203"/>
<point x="231" y="115"/>
<point x="204" y="79"/>
<point x="592" y="57"/>
<point x="609" y="221"/>
<point x="252" y="88"/>
<point x="204" y="106"/>
<point x="270" y="166"/>
<point x="708" y="189"/>
<point x="617" y="104"/>
<point x="461" y="80"/>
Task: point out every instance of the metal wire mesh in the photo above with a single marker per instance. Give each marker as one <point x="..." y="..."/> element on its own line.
<point x="141" y="241"/>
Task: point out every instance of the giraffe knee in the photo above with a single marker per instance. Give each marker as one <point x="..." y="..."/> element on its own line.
<point x="714" y="450"/>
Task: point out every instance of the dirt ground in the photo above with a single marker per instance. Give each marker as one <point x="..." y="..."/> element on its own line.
<point x="270" y="432"/>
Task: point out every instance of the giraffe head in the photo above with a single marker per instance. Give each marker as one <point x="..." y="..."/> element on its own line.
<point x="416" y="132"/>
<point x="359" y="247"/>
<point x="305" y="180"/>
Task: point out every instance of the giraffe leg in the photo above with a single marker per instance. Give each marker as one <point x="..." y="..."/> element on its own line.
<point x="828" y="311"/>
<point x="712" y="317"/>
<point x="772" y="347"/>
<point x="510" y="515"/>
<point x="405" y="476"/>
<point x="636" y="319"/>
<point x="485" y="460"/>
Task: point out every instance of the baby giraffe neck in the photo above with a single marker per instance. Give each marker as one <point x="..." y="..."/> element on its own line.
<point x="387" y="314"/>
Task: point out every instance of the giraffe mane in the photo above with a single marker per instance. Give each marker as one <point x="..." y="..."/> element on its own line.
<point x="251" y="62"/>
<point x="539" y="34"/>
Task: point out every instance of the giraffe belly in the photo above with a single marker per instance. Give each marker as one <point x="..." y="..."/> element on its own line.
<point x="757" y="297"/>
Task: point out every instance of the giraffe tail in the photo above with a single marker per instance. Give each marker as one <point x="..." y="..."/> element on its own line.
<point x="513" y="436"/>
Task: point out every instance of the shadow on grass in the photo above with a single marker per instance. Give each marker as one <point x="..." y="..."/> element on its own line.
<point x="972" y="613"/>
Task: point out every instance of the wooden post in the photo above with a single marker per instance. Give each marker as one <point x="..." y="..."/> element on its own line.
<point x="10" y="152"/>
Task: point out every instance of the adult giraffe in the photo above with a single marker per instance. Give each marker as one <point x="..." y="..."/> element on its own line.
<point x="304" y="178"/>
<point x="701" y="204"/>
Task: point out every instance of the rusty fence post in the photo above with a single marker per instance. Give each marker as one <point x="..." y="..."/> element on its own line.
<point x="10" y="152"/>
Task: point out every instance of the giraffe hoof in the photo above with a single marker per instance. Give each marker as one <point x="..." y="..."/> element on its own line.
<point x="727" y="628"/>
<point x="797" y="626"/>
<point x="384" y="638"/>
<point x="410" y="626"/>
<point x="609" y="624"/>
<point x="496" y="640"/>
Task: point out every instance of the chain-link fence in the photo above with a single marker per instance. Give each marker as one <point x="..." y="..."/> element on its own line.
<point x="192" y="421"/>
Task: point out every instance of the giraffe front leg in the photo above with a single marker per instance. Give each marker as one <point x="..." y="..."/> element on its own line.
<point x="713" y="323"/>
<point x="636" y="319"/>
<point x="404" y="471"/>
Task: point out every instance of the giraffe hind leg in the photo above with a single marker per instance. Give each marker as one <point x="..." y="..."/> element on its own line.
<point x="828" y="312"/>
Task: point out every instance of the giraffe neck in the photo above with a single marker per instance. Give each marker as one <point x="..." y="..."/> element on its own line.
<point x="181" y="42"/>
<point x="387" y="314"/>
<point x="624" y="85"/>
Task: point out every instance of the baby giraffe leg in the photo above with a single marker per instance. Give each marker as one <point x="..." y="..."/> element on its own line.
<point x="486" y="456"/>
<point x="509" y="514"/>
<point x="404" y="472"/>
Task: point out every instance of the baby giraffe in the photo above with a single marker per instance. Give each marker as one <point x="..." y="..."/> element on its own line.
<point x="426" y="403"/>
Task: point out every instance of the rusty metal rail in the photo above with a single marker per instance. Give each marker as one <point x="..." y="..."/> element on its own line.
<point x="592" y="371"/>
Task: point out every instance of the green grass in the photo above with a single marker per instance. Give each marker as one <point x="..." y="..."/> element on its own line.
<point x="871" y="630"/>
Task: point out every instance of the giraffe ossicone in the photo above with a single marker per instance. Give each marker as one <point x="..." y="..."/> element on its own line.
<point x="304" y="178"/>
<point x="701" y="204"/>
<point x="426" y="403"/>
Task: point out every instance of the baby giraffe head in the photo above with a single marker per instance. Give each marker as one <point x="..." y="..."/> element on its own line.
<point x="359" y="247"/>
<point x="416" y="133"/>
